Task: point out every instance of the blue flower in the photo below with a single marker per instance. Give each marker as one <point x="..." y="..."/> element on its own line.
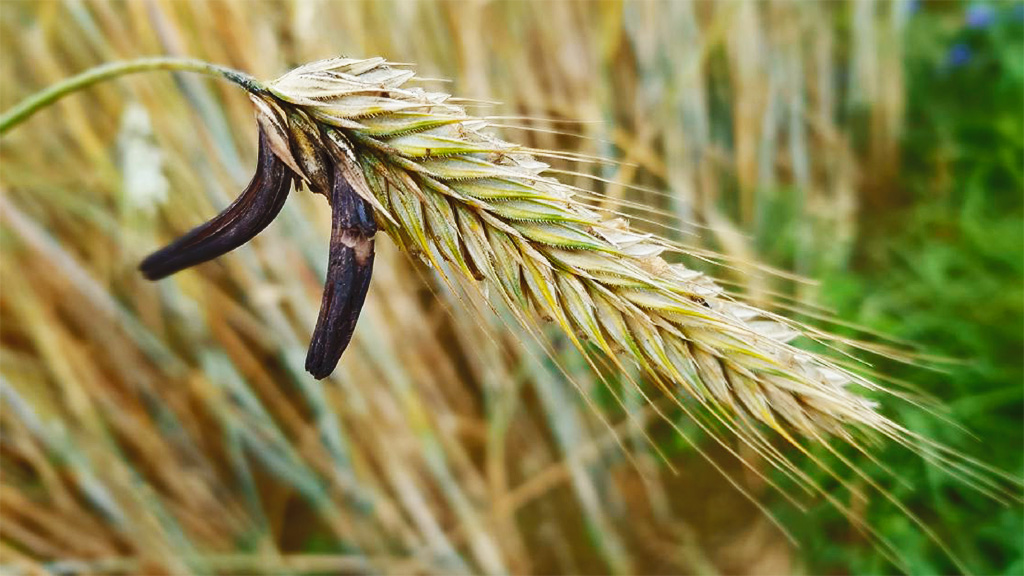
<point x="980" y="16"/>
<point x="959" y="55"/>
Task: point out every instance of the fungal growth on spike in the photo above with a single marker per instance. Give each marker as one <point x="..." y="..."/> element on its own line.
<point x="293" y="148"/>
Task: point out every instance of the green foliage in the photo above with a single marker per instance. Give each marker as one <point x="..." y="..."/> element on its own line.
<point x="946" y="273"/>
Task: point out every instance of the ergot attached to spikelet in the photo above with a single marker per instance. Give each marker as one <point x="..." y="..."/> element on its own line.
<point x="444" y="189"/>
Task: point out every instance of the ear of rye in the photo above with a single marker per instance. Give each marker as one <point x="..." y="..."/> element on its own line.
<point x="444" y="189"/>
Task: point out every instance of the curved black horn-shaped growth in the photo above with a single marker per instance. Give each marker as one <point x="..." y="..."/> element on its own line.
<point x="348" y="276"/>
<point x="246" y="217"/>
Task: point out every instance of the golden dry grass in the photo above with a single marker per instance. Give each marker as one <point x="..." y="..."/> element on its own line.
<point x="171" y="428"/>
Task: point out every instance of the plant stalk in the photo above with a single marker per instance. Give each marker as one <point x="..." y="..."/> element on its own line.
<point x="36" y="102"/>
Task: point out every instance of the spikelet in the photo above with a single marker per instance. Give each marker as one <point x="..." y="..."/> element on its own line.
<point x="443" y="189"/>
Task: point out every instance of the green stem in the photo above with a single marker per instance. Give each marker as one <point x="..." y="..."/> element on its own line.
<point x="29" y="106"/>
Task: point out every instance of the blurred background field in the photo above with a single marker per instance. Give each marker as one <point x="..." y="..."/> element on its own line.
<point x="874" y="147"/>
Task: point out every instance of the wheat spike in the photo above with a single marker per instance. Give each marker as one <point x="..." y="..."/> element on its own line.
<point x="442" y="188"/>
